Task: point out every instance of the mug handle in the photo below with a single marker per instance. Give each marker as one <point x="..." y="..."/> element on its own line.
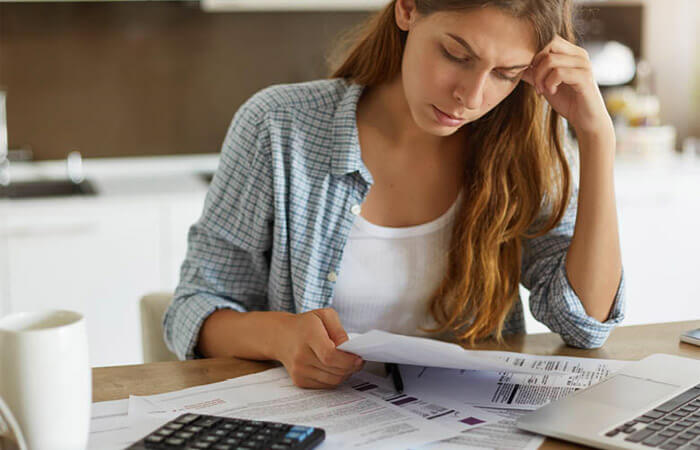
<point x="10" y="435"/>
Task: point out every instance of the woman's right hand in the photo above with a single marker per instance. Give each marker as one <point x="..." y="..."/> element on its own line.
<point x="307" y="348"/>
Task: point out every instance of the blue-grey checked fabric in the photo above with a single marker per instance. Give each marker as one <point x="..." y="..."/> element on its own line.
<point x="278" y="213"/>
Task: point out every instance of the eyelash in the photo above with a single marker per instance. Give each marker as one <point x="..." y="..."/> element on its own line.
<point x="449" y="56"/>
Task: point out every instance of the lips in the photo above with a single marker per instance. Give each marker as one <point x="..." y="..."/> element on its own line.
<point x="451" y="116"/>
<point x="446" y="119"/>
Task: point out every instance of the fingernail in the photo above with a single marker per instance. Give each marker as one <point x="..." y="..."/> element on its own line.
<point x="358" y="363"/>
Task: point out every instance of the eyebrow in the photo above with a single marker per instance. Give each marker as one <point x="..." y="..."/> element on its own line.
<point x="473" y="53"/>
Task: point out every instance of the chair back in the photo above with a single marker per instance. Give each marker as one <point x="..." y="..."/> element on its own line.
<point x="153" y="308"/>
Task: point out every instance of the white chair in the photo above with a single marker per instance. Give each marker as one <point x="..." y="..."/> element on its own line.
<point x="153" y="308"/>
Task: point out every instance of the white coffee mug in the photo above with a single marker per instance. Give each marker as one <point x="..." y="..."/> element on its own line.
<point x="45" y="378"/>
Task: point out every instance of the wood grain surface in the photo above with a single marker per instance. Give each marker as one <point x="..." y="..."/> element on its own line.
<point x="626" y="343"/>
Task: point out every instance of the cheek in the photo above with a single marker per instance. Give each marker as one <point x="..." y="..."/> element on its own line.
<point x="498" y="92"/>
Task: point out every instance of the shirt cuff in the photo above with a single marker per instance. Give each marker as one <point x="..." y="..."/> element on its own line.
<point x="188" y="318"/>
<point x="575" y="326"/>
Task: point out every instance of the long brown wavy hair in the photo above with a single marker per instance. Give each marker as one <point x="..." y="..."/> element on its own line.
<point x="516" y="167"/>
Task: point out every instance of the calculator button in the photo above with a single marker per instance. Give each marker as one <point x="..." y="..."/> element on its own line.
<point x="174" y="425"/>
<point x="229" y="426"/>
<point x="165" y="432"/>
<point x="174" y="441"/>
<point x="240" y="435"/>
<point x="201" y="444"/>
<point x="249" y="429"/>
<point x="184" y="434"/>
<point x="232" y="441"/>
<point x="210" y="438"/>
<point x="206" y="422"/>
<point x="220" y="432"/>
<point x="222" y="447"/>
<point x="279" y="447"/>
<point x="187" y="418"/>
<point x="155" y="439"/>
<point x="193" y="429"/>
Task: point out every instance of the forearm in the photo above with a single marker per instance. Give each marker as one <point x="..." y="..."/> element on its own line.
<point x="249" y="335"/>
<point x="593" y="261"/>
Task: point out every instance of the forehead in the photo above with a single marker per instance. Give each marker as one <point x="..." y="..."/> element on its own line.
<point x="494" y="35"/>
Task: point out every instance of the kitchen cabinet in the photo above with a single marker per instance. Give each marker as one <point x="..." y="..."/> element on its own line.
<point x="94" y="258"/>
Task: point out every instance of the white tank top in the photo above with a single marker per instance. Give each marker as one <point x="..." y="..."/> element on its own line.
<point x="387" y="275"/>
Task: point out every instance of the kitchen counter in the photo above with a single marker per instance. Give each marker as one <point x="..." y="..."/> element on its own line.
<point x="131" y="179"/>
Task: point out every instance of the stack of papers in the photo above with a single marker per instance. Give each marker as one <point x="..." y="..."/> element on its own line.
<point x="474" y="403"/>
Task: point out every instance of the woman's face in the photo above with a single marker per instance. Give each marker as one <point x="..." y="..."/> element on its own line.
<point x="460" y="63"/>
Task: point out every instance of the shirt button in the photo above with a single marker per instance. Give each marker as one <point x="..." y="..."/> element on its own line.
<point x="356" y="209"/>
<point x="332" y="277"/>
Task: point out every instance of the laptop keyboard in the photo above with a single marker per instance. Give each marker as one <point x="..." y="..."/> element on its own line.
<point x="672" y="425"/>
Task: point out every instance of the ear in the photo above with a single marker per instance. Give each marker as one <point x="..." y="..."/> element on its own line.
<point x="405" y="13"/>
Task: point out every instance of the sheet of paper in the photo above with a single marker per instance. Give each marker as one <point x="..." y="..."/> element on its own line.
<point x="502" y="435"/>
<point x="350" y="418"/>
<point x="376" y="345"/>
<point x="589" y="370"/>
<point x="508" y="389"/>
<point x="110" y="428"/>
<point x="465" y="417"/>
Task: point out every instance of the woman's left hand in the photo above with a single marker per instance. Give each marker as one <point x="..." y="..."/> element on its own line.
<point x="562" y="73"/>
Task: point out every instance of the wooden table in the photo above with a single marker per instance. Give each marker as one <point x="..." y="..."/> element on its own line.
<point x="627" y="343"/>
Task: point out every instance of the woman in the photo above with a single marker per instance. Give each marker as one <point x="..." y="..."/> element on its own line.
<point x="412" y="192"/>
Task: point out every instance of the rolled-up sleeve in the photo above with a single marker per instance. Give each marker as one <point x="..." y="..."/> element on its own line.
<point x="227" y="261"/>
<point x="552" y="299"/>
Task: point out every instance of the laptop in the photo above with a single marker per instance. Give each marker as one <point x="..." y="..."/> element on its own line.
<point x="652" y="403"/>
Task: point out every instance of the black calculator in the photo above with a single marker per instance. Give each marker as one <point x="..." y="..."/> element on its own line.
<point x="200" y="431"/>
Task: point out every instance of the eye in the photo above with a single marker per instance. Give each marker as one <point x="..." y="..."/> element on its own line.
<point x="506" y="78"/>
<point x="451" y="57"/>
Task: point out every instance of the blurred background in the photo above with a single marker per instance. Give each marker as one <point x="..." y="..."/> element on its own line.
<point x="112" y="115"/>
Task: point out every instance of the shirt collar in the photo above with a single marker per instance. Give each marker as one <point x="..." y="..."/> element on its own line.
<point x="347" y="156"/>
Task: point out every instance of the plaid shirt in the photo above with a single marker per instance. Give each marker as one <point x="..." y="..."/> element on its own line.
<point x="280" y="207"/>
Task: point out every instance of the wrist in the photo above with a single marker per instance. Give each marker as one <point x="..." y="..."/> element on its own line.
<point x="597" y="145"/>
<point x="603" y="134"/>
<point x="277" y="326"/>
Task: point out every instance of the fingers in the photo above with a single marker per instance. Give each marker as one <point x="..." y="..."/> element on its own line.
<point x="552" y="62"/>
<point x="329" y="356"/>
<point x="559" y="45"/>
<point x="576" y="78"/>
<point x="313" y="360"/>
<point x="331" y="322"/>
<point x="304" y="366"/>
<point x="324" y="376"/>
<point x="326" y="350"/>
<point x="311" y="383"/>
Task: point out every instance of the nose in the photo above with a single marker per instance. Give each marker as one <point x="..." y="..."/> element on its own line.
<point x="470" y="92"/>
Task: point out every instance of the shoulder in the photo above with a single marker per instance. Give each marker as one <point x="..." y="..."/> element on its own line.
<point x="320" y="96"/>
<point x="282" y="116"/>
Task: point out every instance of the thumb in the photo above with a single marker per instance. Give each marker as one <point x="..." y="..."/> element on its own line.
<point x="331" y="322"/>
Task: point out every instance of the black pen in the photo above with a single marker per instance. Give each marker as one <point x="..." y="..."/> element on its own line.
<point x="393" y="369"/>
